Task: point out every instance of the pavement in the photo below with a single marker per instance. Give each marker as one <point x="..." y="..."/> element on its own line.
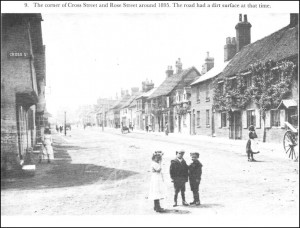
<point x="106" y="172"/>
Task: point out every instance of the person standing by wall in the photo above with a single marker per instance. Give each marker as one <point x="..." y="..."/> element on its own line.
<point x="47" y="143"/>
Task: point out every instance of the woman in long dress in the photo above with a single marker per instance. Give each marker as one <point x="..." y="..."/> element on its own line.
<point x="157" y="187"/>
<point x="48" y="150"/>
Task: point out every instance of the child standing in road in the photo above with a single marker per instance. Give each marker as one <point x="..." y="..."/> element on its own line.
<point x="250" y="147"/>
<point x="157" y="187"/>
<point x="195" y="173"/>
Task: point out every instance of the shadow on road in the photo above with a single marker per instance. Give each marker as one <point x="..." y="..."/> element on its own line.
<point x="175" y="211"/>
<point x="62" y="173"/>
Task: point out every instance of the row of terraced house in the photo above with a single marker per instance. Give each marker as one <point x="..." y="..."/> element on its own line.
<point x="23" y="80"/>
<point x="203" y="103"/>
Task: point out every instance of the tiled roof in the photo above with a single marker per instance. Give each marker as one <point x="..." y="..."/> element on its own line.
<point x="147" y="94"/>
<point x="279" y="45"/>
<point x="130" y="100"/>
<point x="171" y="82"/>
<point x="121" y="102"/>
<point x="216" y="70"/>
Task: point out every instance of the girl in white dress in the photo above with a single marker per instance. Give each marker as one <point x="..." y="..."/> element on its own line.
<point x="157" y="187"/>
<point x="48" y="150"/>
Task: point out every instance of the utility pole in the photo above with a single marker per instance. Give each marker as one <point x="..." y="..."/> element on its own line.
<point x="102" y="117"/>
<point x="65" y="123"/>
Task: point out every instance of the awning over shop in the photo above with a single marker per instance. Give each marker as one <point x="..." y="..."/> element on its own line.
<point x="26" y="99"/>
<point x="287" y="104"/>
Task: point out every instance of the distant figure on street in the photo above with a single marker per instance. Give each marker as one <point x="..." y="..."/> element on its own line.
<point x="130" y="126"/>
<point x="251" y="144"/>
<point x="60" y="129"/>
<point x="166" y="128"/>
<point x="57" y="129"/>
<point x="147" y="128"/>
<point x="179" y="174"/>
<point x="195" y="173"/>
<point x="47" y="146"/>
<point x="157" y="187"/>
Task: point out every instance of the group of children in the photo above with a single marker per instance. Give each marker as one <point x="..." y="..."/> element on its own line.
<point x="181" y="173"/>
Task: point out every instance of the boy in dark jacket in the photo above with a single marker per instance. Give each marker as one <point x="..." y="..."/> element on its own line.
<point x="252" y="136"/>
<point x="195" y="172"/>
<point x="179" y="175"/>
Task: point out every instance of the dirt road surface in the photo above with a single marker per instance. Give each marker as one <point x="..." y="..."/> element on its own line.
<point x="107" y="173"/>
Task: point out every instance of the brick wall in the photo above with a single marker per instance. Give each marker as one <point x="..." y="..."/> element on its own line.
<point x="17" y="76"/>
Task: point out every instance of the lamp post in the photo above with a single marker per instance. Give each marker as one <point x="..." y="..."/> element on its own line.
<point x="65" y="123"/>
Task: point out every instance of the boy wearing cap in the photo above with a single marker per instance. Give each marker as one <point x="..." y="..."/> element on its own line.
<point x="195" y="172"/>
<point x="179" y="175"/>
<point x="251" y="143"/>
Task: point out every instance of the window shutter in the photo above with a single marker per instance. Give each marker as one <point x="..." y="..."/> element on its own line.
<point x="244" y="119"/>
<point x="168" y="102"/>
<point x="257" y="118"/>
<point x="282" y="118"/>
<point x="268" y="118"/>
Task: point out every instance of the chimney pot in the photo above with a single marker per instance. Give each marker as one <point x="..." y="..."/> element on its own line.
<point x="245" y="18"/>
<point x="240" y="18"/>
<point x="293" y="19"/>
<point x="228" y="40"/>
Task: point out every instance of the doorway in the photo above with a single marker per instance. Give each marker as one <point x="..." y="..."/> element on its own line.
<point x="235" y="125"/>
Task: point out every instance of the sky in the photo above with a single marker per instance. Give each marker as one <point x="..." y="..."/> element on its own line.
<point x="95" y="55"/>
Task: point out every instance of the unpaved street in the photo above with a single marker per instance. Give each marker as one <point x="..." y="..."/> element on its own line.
<point x="104" y="173"/>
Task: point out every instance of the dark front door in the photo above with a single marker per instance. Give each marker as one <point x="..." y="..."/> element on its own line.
<point x="235" y="128"/>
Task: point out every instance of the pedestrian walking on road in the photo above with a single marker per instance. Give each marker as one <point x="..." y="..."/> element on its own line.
<point x="47" y="146"/>
<point x="195" y="173"/>
<point x="157" y="187"/>
<point x="179" y="175"/>
<point x="166" y="128"/>
<point x="251" y="146"/>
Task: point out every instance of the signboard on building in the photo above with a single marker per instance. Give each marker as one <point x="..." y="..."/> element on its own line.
<point x="18" y="54"/>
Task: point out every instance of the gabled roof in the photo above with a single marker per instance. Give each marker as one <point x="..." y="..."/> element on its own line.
<point x="279" y="45"/>
<point x="121" y="102"/>
<point x="171" y="82"/>
<point x="215" y="71"/>
<point x="147" y="94"/>
<point x="130" y="100"/>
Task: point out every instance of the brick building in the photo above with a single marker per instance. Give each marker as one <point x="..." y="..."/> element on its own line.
<point x="142" y="116"/>
<point x="23" y="82"/>
<point x="128" y="108"/>
<point x="279" y="46"/>
<point x="163" y="105"/>
<point x="202" y="112"/>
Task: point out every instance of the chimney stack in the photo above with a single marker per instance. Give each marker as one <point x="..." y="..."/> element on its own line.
<point x="178" y="66"/>
<point x="229" y="48"/>
<point x="146" y="85"/>
<point x="293" y="19"/>
<point x="209" y="63"/>
<point x="243" y="33"/>
<point x="169" y="71"/>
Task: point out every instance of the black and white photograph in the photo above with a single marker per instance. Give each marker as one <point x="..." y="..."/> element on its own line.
<point x="149" y="113"/>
